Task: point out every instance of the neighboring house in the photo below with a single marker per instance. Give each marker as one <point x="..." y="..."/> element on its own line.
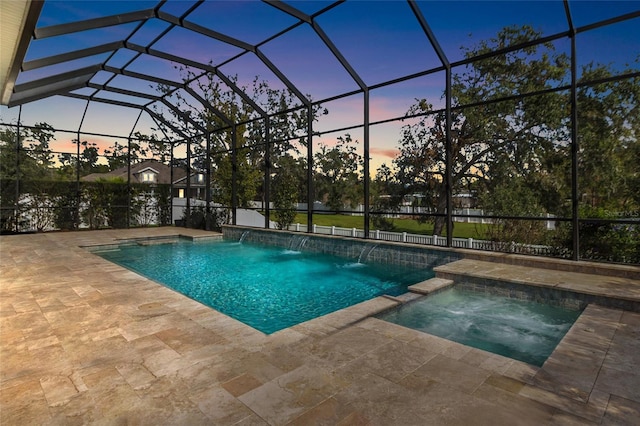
<point x="152" y="172"/>
<point x="465" y="200"/>
<point x="460" y="200"/>
<point x="197" y="186"/>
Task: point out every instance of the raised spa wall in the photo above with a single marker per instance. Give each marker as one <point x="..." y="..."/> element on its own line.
<point x="385" y="252"/>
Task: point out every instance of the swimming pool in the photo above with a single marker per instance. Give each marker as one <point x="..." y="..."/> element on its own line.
<point x="268" y="288"/>
<point x="524" y="330"/>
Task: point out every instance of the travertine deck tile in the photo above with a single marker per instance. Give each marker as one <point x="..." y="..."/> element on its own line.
<point x="220" y="406"/>
<point x="453" y="373"/>
<point x="288" y="396"/>
<point x="241" y="384"/>
<point x="84" y="341"/>
<point x="380" y="401"/>
<point x="621" y="411"/>
<point x="591" y="413"/>
<point x="620" y="383"/>
<point x="393" y="361"/>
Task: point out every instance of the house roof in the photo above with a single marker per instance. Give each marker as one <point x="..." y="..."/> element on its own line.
<point x="163" y="171"/>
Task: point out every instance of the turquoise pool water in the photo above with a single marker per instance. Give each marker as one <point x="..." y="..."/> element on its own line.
<point x="522" y="330"/>
<point x="267" y="288"/>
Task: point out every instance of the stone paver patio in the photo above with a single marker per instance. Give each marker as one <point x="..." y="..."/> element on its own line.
<point x="86" y="341"/>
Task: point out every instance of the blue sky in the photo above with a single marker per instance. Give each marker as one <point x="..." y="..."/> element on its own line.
<point x="380" y="39"/>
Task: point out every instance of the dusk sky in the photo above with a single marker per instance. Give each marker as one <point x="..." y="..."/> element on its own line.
<point x="382" y="41"/>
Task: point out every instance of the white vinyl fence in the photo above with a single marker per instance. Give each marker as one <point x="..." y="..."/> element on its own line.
<point x="434" y="240"/>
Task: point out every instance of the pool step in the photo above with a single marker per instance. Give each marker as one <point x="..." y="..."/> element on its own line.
<point x="403" y="298"/>
<point x="431" y="285"/>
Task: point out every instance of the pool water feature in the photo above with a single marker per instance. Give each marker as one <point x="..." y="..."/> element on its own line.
<point x="524" y="330"/>
<point x="268" y="288"/>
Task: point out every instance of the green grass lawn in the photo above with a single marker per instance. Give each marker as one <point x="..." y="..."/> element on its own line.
<point x="410" y="226"/>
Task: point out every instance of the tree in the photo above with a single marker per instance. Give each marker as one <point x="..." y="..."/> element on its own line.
<point x="386" y="199"/>
<point x="65" y="205"/>
<point x="248" y="175"/>
<point x="87" y="163"/>
<point x="119" y="155"/>
<point x="247" y="144"/>
<point x="495" y="141"/>
<point x="609" y="129"/>
<point x="607" y="241"/>
<point x="107" y="201"/>
<point x="26" y="158"/>
<point x="608" y="172"/>
<point x="285" y="191"/>
<point x="37" y="183"/>
<point x="30" y="157"/>
<point x="511" y="143"/>
<point x="156" y="148"/>
<point x="337" y="179"/>
<point x="163" y="199"/>
<point x="37" y="143"/>
<point x="513" y="198"/>
<point x="94" y="205"/>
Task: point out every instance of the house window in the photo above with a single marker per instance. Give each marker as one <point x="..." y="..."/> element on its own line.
<point x="200" y="178"/>
<point x="148" y="177"/>
<point x="180" y="193"/>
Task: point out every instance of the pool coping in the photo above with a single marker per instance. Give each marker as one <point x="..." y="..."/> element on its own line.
<point x="151" y="240"/>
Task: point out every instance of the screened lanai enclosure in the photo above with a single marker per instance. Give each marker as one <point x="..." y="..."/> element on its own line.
<point x="489" y="125"/>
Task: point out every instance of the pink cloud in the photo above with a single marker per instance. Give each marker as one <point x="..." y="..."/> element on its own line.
<point x="384" y="152"/>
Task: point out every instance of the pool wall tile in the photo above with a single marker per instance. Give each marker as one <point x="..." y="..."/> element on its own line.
<point x="374" y="251"/>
